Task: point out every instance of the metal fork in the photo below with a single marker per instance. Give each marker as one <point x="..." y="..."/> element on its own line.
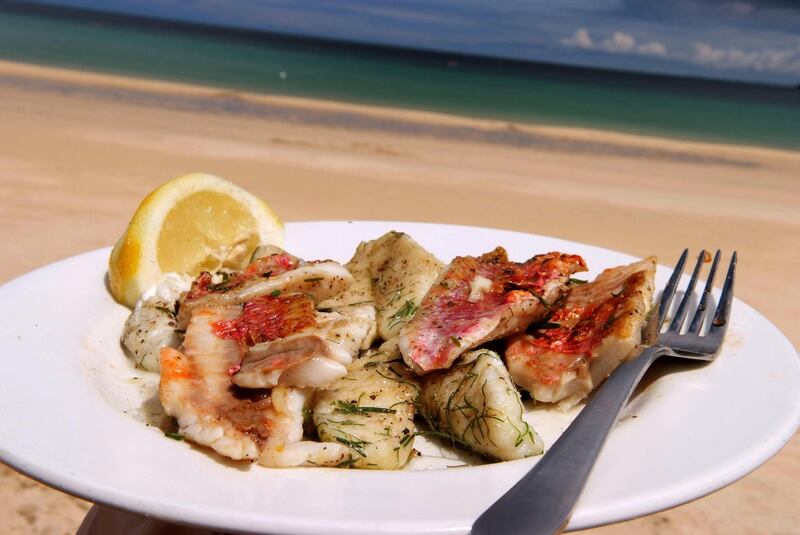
<point x="542" y="501"/>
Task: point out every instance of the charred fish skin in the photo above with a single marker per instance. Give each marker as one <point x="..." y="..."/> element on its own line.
<point x="477" y="406"/>
<point x="596" y="328"/>
<point x="371" y="411"/>
<point x="479" y="299"/>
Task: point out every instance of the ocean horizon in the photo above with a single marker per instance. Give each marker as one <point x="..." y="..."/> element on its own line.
<point x="473" y="86"/>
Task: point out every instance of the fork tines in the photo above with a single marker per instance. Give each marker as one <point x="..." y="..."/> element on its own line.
<point x="719" y="324"/>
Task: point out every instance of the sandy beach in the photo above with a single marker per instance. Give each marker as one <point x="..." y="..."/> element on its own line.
<point x="80" y="150"/>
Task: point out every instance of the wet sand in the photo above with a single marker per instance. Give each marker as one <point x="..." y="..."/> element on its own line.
<point x="79" y="151"/>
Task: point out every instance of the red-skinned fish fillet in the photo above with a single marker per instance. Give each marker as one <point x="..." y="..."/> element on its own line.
<point x="476" y="300"/>
<point x="596" y="327"/>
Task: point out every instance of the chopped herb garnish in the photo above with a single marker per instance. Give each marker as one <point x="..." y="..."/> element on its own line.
<point x="224" y="285"/>
<point x="275" y="293"/>
<point x="173" y="436"/>
<point x="403" y="313"/>
<point x="576" y="281"/>
<point x="359" y="303"/>
<point x="355" y="445"/>
<point x="331" y="421"/>
<point x="314" y="279"/>
<point x="347" y="463"/>
<point x="455" y="340"/>
<point x="542" y="300"/>
<point x="352" y="408"/>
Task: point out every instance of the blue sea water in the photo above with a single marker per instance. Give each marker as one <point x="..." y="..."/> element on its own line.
<point x="465" y="85"/>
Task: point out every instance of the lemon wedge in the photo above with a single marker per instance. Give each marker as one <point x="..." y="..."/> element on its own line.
<point x="194" y="223"/>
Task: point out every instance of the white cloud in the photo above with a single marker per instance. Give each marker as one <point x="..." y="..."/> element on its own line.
<point x="653" y="48"/>
<point x="767" y="59"/>
<point x="620" y="43"/>
<point x="580" y="39"/>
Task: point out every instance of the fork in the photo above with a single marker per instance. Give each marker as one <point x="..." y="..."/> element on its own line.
<point x="542" y="501"/>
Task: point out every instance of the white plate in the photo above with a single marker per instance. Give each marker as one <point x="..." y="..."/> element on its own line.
<point x="685" y="435"/>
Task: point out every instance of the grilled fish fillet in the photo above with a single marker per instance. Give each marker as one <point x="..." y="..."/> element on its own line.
<point x="476" y="300"/>
<point x="371" y="410"/>
<point x="477" y="406"/>
<point x="596" y="328"/>
<point x="275" y="275"/>
<point x="393" y="273"/>
<point x="402" y="272"/>
<point x="359" y="292"/>
<point x="313" y="354"/>
<point x="195" y="388"/>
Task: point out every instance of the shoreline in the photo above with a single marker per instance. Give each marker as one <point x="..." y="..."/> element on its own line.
<point x="18" y="73"/>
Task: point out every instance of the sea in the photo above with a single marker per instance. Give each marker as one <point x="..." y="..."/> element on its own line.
<point x="467" y="85"/>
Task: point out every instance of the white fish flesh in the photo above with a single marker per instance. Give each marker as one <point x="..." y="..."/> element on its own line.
<point x="392" y="273"/>
<point x="152" y="324"/>
<point x="371" y="411"/>
<point x="476" y="405"/>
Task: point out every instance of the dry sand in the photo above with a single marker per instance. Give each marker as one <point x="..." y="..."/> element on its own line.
<point x="78" y="151"/>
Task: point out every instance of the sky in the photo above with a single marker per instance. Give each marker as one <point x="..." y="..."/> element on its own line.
<point x="748" y="40"/>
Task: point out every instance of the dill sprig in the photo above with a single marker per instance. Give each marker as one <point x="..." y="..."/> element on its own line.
<point x="543" y="301"/>
<point x="403" y="313"/>
<point x="353" y="408"/>
<point x="355" y="444"/>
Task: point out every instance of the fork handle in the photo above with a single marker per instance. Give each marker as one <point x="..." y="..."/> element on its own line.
<point x="542" y="501"/>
